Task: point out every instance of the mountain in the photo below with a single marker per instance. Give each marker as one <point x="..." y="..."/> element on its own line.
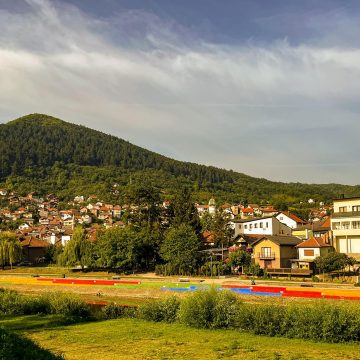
<point x="42" y="153"/>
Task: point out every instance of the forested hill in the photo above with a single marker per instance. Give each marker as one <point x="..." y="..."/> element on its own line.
<point x="42" y="153"/>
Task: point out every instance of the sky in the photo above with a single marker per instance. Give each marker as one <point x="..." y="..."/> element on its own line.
<point x="269" y="88"/>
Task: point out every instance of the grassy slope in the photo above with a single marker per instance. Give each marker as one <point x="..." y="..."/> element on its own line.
<point x="135" y="339"/>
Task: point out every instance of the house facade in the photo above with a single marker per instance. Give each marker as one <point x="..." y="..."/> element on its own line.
<point x="345" y="225"/>
<point x="275" y="252"/>
<point x="309" y="250"/>
<point x="291" y="220"/>
<point x="261" y="226"/>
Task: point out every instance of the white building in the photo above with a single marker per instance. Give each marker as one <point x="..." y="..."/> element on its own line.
<point x="262" y="226"/>
<point x="345" y="224"/>
<point x="290" y="220"/>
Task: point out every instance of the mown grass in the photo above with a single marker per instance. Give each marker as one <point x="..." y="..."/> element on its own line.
<point x="138" y="339"/>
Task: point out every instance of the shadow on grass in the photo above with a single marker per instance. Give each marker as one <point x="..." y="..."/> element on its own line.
<point x="31" y="323"/>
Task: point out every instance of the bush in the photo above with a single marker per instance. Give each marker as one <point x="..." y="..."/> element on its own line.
<point x="112" y="311"/>
<point x="319" y="321"/>
<point x="11" y="302"/>
<point x="13" y="346"/>
<point x="160" y="310"/>
<point x="209" y="309"/>
<point x="69" y="305"/>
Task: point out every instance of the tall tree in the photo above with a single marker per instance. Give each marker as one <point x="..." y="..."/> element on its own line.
<point x="184" y="211"/>
<point x="181" y="248"/>
<point x="76" y="250"/>
<point x="221" y="229"/>
<point x="146" y="204"/>
<point x="10" y="248"/>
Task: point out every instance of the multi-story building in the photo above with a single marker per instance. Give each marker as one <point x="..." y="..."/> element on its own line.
<point x="345" y="225"/>
<point x="260" y="226"/>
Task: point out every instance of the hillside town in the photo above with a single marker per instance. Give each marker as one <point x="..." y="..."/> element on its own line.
<point x="279" y="241"/>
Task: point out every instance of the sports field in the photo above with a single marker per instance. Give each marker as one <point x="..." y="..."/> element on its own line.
<point x="135" y="290"/>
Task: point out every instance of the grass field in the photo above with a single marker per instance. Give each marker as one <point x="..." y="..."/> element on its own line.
<point x="136" y="339"/>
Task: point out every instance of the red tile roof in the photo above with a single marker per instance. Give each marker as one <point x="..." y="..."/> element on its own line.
<point x="314" y="242"/>
<point x="294" y="217"/>
<point x="34" y="243"/>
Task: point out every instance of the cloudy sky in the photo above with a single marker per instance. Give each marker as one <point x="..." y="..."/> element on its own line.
<point x="267" y="87"/>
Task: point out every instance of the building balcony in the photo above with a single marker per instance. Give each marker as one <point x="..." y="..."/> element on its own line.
<point x="347" y="214"/>
<point x="262" y="256"/>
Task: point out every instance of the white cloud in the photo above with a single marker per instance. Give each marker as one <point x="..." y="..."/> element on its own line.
<point x="280" y="112"/>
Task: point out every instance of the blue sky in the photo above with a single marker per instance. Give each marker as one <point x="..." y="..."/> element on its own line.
<point x="269" y="88"/>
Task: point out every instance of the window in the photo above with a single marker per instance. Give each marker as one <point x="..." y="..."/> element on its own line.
<point x="308" y="252"/>
<point x="261" y="225"/>
<point x="245" y="226"/>
<point x="239" y="226"/>
<point x="255" y="225"/>
<point x="267" y="224"/>
<point x="265" y="252"/>
<point x="356" y="208"/>
<point x="356" y="224"/>
<point x="342" y="209"/>
<point x="345" y="225"/>
<point x="251" y="226"/>
<point x="336" y="226"/>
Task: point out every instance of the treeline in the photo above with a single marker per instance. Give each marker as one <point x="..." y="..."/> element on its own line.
<point x="153" y="237"/>
<point x="45" y="154"/>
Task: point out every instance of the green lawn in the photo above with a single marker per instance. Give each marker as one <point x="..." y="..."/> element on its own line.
<point x="136" y="339"/>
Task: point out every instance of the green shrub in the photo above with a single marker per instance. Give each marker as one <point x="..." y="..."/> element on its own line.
<point x="35" y="305"/>
<point x="227" y="305"/>
<point x="160" y="310"/>
<point x="13" y="346"/>
<point x="69" y="305"/>
<point x="112" y="311"/>
<point x="11" y="302"/>
<point x="209" y="309"/>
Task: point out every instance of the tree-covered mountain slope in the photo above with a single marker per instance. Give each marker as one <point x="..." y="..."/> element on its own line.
<point x="41" y="153"/>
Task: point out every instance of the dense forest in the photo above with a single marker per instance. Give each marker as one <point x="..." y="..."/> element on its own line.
<point x="44" y="154"/>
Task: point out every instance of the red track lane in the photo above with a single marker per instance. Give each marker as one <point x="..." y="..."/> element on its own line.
<point x="305" y="294"/>
<point x="88" y="281"/>
<point x="274" y="289"/>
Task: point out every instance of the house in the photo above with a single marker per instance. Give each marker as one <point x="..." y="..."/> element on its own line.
<point x="24" y="226"/>
<point x="289" y="219"/>
<point x="308" y="251"/>
<point x="274" y="252"/>
<point x="316" y="229"/>
<point x="245" y="242"/>
<point x="345" y="225"/>
<point x="116" y="211"/>
<point x="3" y="192"/>
<point x="269" y="211"/>
<point x="269" y="225"/>
<point x="247" y="212"/>
<point x="34" y="250"/>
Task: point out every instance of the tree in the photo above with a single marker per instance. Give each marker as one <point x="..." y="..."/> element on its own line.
<point x="184" y="211"/>
<point x="221" y="228"/>
<point x="128" y="248"/>
<point x="76" y="250"/>
<point x="333" y="262"/>
<point x="239" y="258"/>
<point x="180" y="248"/>
<point x="10" y="248"/>
<point x="146" y="199"/>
